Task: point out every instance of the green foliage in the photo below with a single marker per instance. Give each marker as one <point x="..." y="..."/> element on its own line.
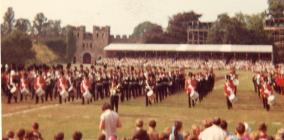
<point x="57" y="46"/>
<point x="178" y="24"/>
<point x="276" y="8"/>
<point x="241" y="29"/>
<point x="23" y="25"/>
<point x="16" y="48"/>
<point x="142" y="28"/>
<point x="39" y="21"/>
<point x="8" y="21"/>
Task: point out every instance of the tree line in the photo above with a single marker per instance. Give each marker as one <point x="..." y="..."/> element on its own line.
<point x="18" y="35"/>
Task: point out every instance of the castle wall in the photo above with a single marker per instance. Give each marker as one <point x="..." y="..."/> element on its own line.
<point x="94" y="43"/>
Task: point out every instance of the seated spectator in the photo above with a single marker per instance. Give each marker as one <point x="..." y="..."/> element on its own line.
<point x="213" y="132"/>
<point x="280" y="134"/>
<point x="165" y="134"/>
<point x="102" y="137"/>
<point x="59" y="136"/>
<point x="153" y="134"/>
<point x="176" y="131"/>
<point x="21" y="134"/>
<point x="262" y="132"/>
<point x="140" y="133"/>
<point x="77" y="135"/>
<point x="239" y="133"/>
<point x="36" y="133"/>
<point x="11" y="135"/>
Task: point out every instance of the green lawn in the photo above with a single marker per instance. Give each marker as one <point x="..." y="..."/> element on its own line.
<point x="74" y="116"/>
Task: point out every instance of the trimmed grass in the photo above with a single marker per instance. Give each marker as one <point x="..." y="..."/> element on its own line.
<point x="74" y="116"/>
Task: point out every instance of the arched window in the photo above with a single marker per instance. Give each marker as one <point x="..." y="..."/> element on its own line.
<point x="91" y="45"/>
<point x="83" y="46"/>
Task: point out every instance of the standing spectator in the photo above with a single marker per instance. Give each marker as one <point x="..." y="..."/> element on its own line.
<point x="59" y="136"/>
<point x="213" y="132"/>
<point x="153" y="134"/>
<point x="35" y="131"/>
<point x="109" y="121"/>
<point x="140" y="133"/>
<point x="77" y="135"/>
<point x="240" y="133"/>
<point x="21" y="134"/>
<point x="175" y="134"/>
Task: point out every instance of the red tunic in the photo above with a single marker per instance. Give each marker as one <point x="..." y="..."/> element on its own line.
<point x="229" y="88"/>
<point x="265" y="90"/>
<point x="62" y="83"/>
<point x="24" y="83"/>
<point x="39" y="81"/>
<point x="280" y="80"/>
<point x="85" y="85"/>
<point x="190" y="85"/>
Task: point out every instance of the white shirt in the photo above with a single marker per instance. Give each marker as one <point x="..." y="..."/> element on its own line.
<point x="110" y="119"/>
<point x="213" y="133"/>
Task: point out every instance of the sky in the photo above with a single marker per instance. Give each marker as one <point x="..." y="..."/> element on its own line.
<point x="123" y="15"/>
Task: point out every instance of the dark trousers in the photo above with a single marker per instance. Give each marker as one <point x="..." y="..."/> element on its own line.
<point x="191" y="103"/>
<point x="265" y="103"/>
<point x="99" y="92"/>
<point x="49" y="92"/>
<point x="114" y="99"/>
<point x="10" y="96"/>
<point x="229" y="103"/>
<point x="39" y="97"/>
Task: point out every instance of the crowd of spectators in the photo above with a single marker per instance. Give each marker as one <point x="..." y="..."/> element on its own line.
<point x="187" y="62"/>
<point x="211" y="129"/>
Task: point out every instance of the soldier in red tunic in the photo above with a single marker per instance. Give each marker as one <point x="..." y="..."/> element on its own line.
<point x="62" y="85"/>
<point x="39" y="86"/>
<point x="190" y="88"/>
<point x="229" y="88"/>
<point x="265" y="91"/>
<point x="85" y="89"/>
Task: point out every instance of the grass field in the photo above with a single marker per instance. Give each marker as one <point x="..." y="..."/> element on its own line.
<point x="74" y="116"/>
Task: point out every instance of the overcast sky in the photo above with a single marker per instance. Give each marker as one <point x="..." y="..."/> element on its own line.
<point x="124" y="15"/>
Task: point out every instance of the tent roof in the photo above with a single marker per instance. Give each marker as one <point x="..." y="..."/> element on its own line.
<point x="189" y="48"/>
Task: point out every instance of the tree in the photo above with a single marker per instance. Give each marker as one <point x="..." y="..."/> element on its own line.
<point x="149" y="32"/>
<point x="16" y="48"/>
<point x="178" y="24"/>
<point x="51" y="28"/>
<point x="276" y="8"/>
<point x="39" y="21"/>
<point x="143" y="27"/>
<point x="23" y="25"/>
<point x="8" y="21"/>
<point x="227" y="30"/>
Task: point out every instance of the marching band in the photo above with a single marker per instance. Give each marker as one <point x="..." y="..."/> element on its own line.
<point x="43" y="83"/>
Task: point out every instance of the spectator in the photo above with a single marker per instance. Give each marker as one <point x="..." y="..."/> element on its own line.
<point x="240" y="133"/>
<point x="165" y="134"/>
<point x="21" y="134"/>
<point x="35" y="131"/>
<point x="77" y="135"/>
<point x="59" y="136"/>
<point x="11" y="135"/>
<point x="224" y="126"/>
<point x="280" y="134"/>
<point x="102" y="137"/>
<point x="213" y="132"/>
<point x="109" y="121"/>
<point x="140" y="133"/>
<point x="153" y="134"/>
<point x="262" y="132"/>
<point x="175" y="134"/>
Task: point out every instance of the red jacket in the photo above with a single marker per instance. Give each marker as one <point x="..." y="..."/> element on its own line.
<point x="62" y="83"/>
<point x="190" y="85"/>
<point x="85" y="85"/>
<point x="24" y="83"/>
<point x="265" y="90"/>
<point x="229" y="88"/>
<point x="280" y="80"/>
<point x="39" y="81"/>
